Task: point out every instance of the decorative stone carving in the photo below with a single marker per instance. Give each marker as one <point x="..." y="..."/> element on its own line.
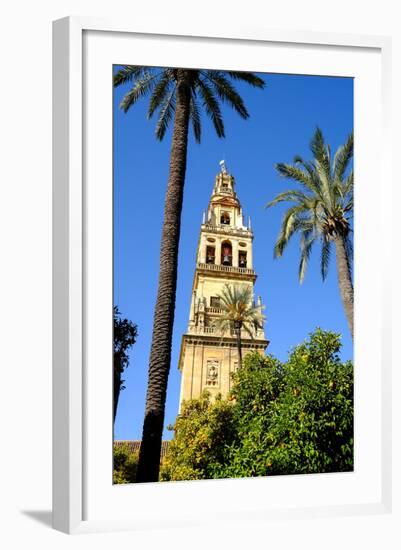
<point x="212" y="372"/>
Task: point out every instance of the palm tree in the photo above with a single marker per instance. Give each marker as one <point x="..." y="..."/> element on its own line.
<point x="322" y="211"/>
<point x="176" y="94"/>
<point x="239" y="313"/>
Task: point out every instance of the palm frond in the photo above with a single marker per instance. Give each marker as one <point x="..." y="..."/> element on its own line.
<point x="142" y="87"/>
<point x="317" y="145"/>
<point x="348" y="185"/>
<point x="237" y="306"/>
<point x="226" y="92"/>
<point x="195" y="118"/>
<point x="223" y="324"/>
<point x="301" y="176"/>
<point x="306" y="248"/>
<point x="325" y="256"/>
<point x="126" y="74"/>
<point x="310" y="169"/>
<point x="246" y="328"/>
<point x="165" y="115"/>
<point x="343" y="157"/>
<point x="159" y="93"/>
<point x="326" y="186"/>
<point x="349" y="205"/>
<point x="292" y="196"/>
<point x="249" y="78"/>
<point x="321" y="152"/>
<point x="211" y="106"/>
<point x="291" y="222"/>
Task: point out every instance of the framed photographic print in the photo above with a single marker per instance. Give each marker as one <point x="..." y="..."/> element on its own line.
<point x="221" y="322"/>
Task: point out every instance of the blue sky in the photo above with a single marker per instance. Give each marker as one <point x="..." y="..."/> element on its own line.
<point x="283" y="119"/>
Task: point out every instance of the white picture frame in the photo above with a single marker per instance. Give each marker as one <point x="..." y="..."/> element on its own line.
<point x="73" y="472"/>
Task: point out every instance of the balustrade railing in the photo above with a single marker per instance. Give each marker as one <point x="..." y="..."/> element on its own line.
<point x="226" y="229"/>
<point x="214" y="310"/>
<point x="217" y="332"/>
<point x="226" y="268"/>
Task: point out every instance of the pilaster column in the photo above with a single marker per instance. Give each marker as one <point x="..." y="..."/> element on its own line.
<point x="192" y="311"/>
<point x="249" y="258"/>
<point x="202" y="250"/>
<point x="235" y="252"/>
<point x="218" y="251"/>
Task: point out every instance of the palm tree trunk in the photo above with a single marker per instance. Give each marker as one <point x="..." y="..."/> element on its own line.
<point x="239" y="347"/>
<point x="345" y="282"/>
<point x="116" y="391"/>
<point x="160" y="354"/>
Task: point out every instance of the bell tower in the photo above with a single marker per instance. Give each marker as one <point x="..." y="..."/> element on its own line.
<point x="224" y="256"/>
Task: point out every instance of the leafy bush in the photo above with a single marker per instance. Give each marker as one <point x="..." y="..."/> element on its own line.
<point x="280" y="418"/>
<point x="305" y="424"/>
<point x="125" y="463"/>
<point x="204" y="431"/>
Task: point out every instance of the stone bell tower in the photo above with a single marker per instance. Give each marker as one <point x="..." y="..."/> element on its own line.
<point x="224" y="256"/>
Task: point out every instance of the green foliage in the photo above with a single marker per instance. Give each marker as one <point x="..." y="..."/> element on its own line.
<point x="125" y="334"/>
<point x="281" y="418"/>
<point x="210" y="88"/>
<point x="297" y="418"/>
<point x="125" y="463"/>
<point x="238" y="310"/>
<point x="204" y="430"/>
<point x="322" y="205"/>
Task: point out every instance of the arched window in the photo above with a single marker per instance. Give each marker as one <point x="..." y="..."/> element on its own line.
<point x="242" y="258"/>
<point x="226" y="253"/>
<point x="210" y="254"/>
<point x="225" y="218"/>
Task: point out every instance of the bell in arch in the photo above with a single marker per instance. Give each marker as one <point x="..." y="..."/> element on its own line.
<point x="226" y="254"/>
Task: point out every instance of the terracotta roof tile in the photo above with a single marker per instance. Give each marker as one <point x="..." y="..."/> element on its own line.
<point x="135" y="445"/>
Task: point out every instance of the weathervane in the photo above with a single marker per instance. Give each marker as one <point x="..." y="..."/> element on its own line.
<point x="223" y="167"/>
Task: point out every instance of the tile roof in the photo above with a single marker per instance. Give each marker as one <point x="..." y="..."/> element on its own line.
<point x="135" y="445"/>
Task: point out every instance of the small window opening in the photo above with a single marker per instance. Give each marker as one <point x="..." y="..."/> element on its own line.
<point x="214" y="301"/>
<point x="225" y="218"/>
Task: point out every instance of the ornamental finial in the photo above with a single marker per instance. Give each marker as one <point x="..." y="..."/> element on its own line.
<point x="223" y="167"/>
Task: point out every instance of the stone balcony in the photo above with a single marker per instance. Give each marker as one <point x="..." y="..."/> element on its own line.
<point x="220" y="269"/>
<point x="223" y="229"/>
<point x="202" y="330"/>
<point x="214" y="310"/>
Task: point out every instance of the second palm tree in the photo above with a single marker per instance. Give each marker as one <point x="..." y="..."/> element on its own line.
<point x="238" y="313"/>
<point x="322" y="210"/>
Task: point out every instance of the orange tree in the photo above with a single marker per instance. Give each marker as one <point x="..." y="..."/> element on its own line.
<point x="281" y="418"/>
<point x="305" y="423"/>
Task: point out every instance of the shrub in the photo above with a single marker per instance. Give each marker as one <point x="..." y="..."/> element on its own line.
<point x="125" y="463"/>
<point x="203" y="432"/>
